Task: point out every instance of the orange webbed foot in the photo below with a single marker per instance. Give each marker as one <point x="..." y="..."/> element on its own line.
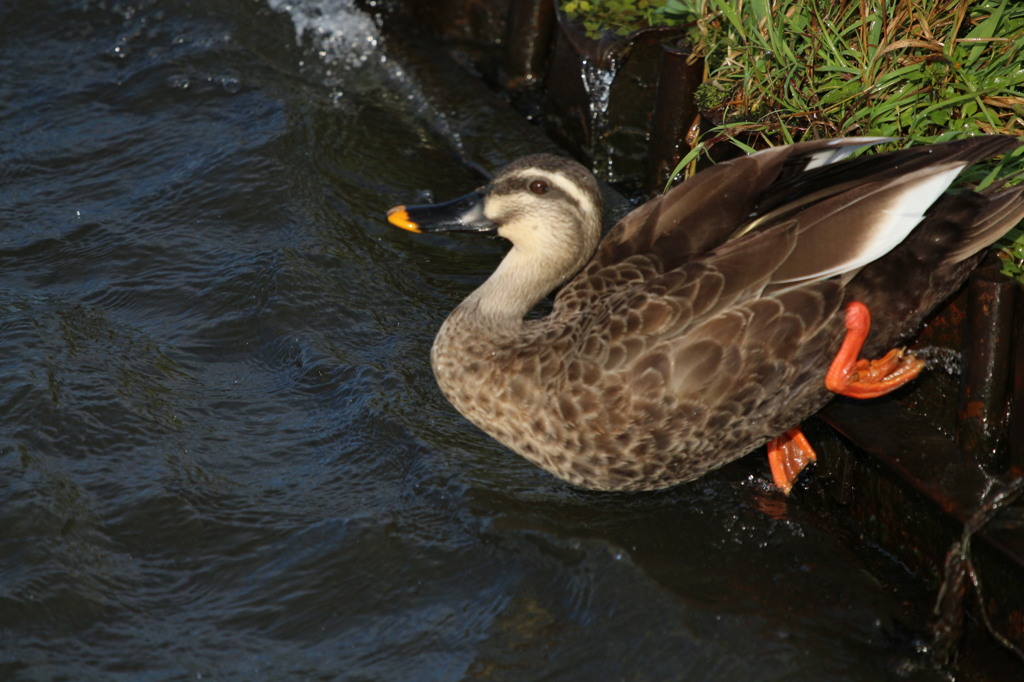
<point x="856" y="377"/>
<point x="788" y="455"/>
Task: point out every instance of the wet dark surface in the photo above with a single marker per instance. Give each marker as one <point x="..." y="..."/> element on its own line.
<point x="222" y="454"/>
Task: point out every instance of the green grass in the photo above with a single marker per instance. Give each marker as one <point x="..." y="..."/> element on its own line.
<point x="922" y="71"/>
<point x="782" y="71"/>
<point x="620" y="17"/>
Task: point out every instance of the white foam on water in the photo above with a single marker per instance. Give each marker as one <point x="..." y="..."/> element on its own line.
<point x="342" y="34"/>
<point x="347" y="38"/>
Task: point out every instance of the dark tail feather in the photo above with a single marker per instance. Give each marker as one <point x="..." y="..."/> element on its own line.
<point x="933" y="262"/>
<point x="1003" y="209"/>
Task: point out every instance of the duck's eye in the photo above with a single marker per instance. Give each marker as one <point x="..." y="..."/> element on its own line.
<point x="539" y="187"/>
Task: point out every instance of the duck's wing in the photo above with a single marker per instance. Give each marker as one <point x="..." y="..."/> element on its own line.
<point x="793" y="191"/>
<point x="850" y="213"/>
<point x="707" y="209"/>
<point x="696" y="216"/>
<point x="856" y="217"/>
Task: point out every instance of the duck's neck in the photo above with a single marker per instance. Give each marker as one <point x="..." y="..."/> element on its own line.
<point x="520" y="281"/>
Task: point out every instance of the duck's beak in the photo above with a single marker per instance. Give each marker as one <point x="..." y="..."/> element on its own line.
<point x="465" y="214"/>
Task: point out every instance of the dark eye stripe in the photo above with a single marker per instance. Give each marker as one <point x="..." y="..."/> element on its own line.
<point x="522" y="182"/>
<point x="565" y="196"/>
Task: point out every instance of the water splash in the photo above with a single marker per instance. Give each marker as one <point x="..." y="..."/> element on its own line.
<point x="946" y="359"/>
<point x="346" y="38"/>
<point x="342" y="34"/>
<point x="597" y="82"/>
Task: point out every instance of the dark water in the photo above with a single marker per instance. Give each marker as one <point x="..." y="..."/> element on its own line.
<point x="222" y="455"/>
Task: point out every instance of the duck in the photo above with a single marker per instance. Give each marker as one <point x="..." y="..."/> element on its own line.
<point x="712" y="319"/>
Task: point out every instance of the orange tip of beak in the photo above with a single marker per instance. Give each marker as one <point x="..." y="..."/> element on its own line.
<point x="399" y="217"/>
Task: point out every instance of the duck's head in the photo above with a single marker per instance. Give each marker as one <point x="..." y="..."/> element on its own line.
<point x="549" y="207"/>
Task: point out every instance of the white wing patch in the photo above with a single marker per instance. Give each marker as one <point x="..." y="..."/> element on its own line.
<point x="824" y="157"/>
<point x="891" y="220"/>
<point x="908" y="209"/>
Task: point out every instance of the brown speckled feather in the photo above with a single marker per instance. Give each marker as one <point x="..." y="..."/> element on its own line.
<point x="681" y="346"/>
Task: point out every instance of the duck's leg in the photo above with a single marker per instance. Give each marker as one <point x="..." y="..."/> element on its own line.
<point x="788" y="454"/>
<point x="848" y="375"/>
<point x="856" y="377"/>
